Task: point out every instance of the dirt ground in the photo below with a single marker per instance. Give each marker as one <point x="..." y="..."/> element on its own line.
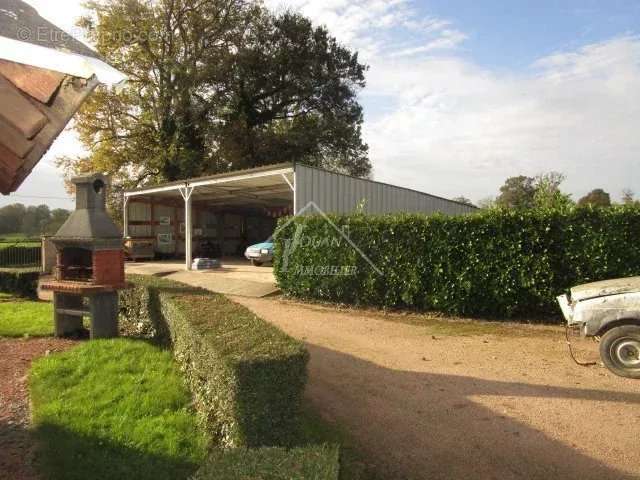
<point x="16" y="445"/>
<point x="441" y="400"/>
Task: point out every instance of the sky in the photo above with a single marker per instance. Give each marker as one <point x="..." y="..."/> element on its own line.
<point x="461" y="95"/>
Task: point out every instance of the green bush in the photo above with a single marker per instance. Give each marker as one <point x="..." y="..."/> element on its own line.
<point x="319" y="462"/>
<point x="247" y="376"/>
<point x="495" y="263"/>
<point x="19" y="281"/>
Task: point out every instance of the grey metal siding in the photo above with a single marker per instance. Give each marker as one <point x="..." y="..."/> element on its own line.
<point x="336" y="193"/>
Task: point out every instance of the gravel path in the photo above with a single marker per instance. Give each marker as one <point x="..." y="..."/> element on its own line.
<point x="482" y="406"/>
<point x="16" y="445"/>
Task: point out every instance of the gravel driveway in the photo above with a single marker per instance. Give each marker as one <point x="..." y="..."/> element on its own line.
<point x="16" y="444"/>
<point x="427" y="402"/>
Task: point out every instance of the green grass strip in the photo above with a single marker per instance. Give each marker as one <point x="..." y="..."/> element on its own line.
<point x="25" y="318"/>
<point x="114" y="409"/>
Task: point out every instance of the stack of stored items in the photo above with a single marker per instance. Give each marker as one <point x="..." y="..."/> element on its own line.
<point x="204" y="264"/>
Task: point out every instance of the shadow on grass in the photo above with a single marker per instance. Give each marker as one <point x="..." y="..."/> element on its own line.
<point x="61" y="454"/>
<point x="16" y="452"/>
<point x="416" y="425"/>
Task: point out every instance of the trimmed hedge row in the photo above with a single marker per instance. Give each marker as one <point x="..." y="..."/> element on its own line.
<point x="247" y="376"/>
<point x="319" y="462"/>
<point x="19" y="281"/>
<point x="495" y="263"/>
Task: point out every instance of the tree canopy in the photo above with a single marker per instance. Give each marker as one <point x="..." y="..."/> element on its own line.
<point x="597" y="197"/>
<point x="217" y="85"/>
<point x="517" y="192"/>
<point x="542" y="191"/>
<point x="464" y="200"/>
<point x="31" y="220"/>
<point x="628" y="198"/>
<point x="547" y="191"/>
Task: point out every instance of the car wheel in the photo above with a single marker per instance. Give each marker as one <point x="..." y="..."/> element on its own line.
<point x="256" y="263"/>
<point x="620" y="350"/>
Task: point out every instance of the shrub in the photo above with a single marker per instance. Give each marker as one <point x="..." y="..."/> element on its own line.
<point x="319" y="462"/>
<point x="19" y="281"/>
<point x="247" y="376"/>
<point x="500" y="263"/>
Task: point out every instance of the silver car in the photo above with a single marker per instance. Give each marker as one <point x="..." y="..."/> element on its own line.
<point x="609" y="310"/>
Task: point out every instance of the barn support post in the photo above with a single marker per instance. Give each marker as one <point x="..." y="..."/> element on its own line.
<point x="186" y="193"/>
<point x="125" y="216"/>
<point x="292" y="186"/>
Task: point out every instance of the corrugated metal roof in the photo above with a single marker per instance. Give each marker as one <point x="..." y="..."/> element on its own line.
<point x="230" y="173"/>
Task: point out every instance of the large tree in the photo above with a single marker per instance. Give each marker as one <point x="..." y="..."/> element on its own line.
<point x="517" y="192"/>
<point x="542" y="191"/>
<point x="547" y="191"/>
<point x="628" y="198"/>
<point x="217" y="85"/>
<point x="597" y="197"/>
<point x="292" y="91"/>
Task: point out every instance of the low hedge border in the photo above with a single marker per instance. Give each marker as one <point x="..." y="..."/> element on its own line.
<point x="498" y="264"/>
<point x="247" y="376"/>
<point x="318" y="462"/>
<point x="19" y="281"/>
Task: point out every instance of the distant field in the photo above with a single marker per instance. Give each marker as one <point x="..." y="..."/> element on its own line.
<point x="17" y="239"/>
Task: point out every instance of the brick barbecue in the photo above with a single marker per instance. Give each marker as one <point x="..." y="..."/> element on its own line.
<point x="89" y="264"/>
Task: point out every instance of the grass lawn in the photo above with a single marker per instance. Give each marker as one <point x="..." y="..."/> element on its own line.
<point x="114" y="409"/>
<point x="19" y="318"/>
<point x="19" y="243"/>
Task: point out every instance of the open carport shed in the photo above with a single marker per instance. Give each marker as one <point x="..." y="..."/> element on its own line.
<point x="222" y="214"/>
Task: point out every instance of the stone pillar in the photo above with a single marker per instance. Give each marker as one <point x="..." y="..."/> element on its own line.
<point x="48" y="256"/>
<point x="67" y="314"/>
<point x="104" y="314"/>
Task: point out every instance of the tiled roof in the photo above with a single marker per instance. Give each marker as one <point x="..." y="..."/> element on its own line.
<point x="20" y="21"/>
<point x="45" y="75"/>
<point x="35" y="106"/>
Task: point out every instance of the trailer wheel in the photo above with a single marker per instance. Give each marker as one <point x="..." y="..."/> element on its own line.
<point x="620" y="350"/>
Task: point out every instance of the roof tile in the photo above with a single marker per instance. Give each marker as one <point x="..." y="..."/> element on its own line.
<point x="38" y="83"/>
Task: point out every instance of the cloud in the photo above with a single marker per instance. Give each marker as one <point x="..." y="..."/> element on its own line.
<point x="448" y="39"/>
<point x="439" y="122"/>
<point x="378" y="27"/>
<point x="458" y="128"/>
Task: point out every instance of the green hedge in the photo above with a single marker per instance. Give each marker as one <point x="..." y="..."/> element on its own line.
<point x="247" y="376"/>
<point x="318" y="462"/>
<point x="496" y="263"/>
<point x="19" y="281"/>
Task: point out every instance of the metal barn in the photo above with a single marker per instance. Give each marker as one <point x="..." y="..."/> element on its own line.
<point x="223" y="214"/>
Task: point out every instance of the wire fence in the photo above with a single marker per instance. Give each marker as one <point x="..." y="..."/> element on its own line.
<point x="20" y="253"/>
